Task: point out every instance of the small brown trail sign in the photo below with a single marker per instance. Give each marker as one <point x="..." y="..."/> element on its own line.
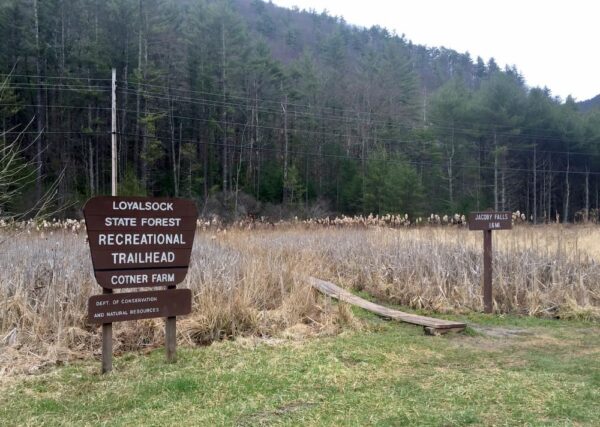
<point x="138" y="242"/>
<point x="490" y="221"/>
<point x="487" y="222"/>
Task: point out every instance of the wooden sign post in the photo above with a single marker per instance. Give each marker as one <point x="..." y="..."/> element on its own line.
<point x="139" y="242"/>
<point x="487" y="222"/>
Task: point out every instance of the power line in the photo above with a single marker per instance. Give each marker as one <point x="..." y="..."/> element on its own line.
<point x="155" y="110"/>
<point x="46" y="132"/>
<point x="53" y="106"/>
<point x="466" y="130"/>
<point x="197" y="119"/>
<point x="341" y="156"/>
<point x="248" y="98"/>
<point x="91" y="90"/>
<point x="346" y="120"/>
<point x="278" y="102"/>
<point x="481" y="129"/>
<point x="368" y="113"/>
<point x="57" y="85"/>
<point x="315" y="132"/>
<point x="350" y="120"/>
<point x="106" y="133"/>
<point x="31" y="76"/>
<point x="24" y="86"/>
<point x="217" y="102"/>
<point x="343" y="135"/>
<point x="200" y="101"/>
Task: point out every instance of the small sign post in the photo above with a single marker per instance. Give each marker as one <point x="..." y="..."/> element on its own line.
<point x="139" y="242"/>
<point x="487" y="222"/>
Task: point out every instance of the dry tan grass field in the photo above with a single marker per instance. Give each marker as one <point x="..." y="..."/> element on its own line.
<point x="253" y="282"/>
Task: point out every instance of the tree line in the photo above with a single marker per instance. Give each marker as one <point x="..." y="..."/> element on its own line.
<point x="251" y="109"/>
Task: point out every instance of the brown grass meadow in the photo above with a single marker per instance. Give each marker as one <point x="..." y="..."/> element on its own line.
<point x="253" y="282"/>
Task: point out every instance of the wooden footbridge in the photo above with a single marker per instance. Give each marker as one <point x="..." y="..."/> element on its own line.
<point x="431" y="325"/>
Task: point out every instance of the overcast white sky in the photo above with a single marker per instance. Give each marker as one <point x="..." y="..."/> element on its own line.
<point x="553" y="43"/>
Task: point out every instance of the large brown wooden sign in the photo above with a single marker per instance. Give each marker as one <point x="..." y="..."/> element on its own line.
<point x="139" y="305"/>
<point x="487" y="222"/>
<point x="138" y="241"/>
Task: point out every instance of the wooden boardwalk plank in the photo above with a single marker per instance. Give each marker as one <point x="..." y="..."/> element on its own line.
<point x="432" y="325"/>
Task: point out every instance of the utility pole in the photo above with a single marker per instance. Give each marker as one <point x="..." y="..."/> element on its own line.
<point x="114" y="133"/>
<point x="286" y="189"/>
<point x="535" y="182"/>
<point x="107" y="327"/>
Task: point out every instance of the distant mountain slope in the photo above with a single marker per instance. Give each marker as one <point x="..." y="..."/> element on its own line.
<point x="590" y="104"/>
<point x="291" y="32"/>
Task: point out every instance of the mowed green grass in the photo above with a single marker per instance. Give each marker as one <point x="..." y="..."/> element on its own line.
<point x="502" y="371"/>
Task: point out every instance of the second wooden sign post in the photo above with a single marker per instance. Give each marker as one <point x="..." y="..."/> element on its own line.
<point x="487" y="222"/>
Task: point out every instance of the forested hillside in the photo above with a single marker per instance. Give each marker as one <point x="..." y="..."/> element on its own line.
<point x="589" y="104"/>
<point x="254" y="109"/>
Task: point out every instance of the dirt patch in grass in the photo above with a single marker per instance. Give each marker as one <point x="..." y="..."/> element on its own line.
<point x="503" y="332"/>
<point x="515" y="343"/>
<point x="267" y="418"/>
